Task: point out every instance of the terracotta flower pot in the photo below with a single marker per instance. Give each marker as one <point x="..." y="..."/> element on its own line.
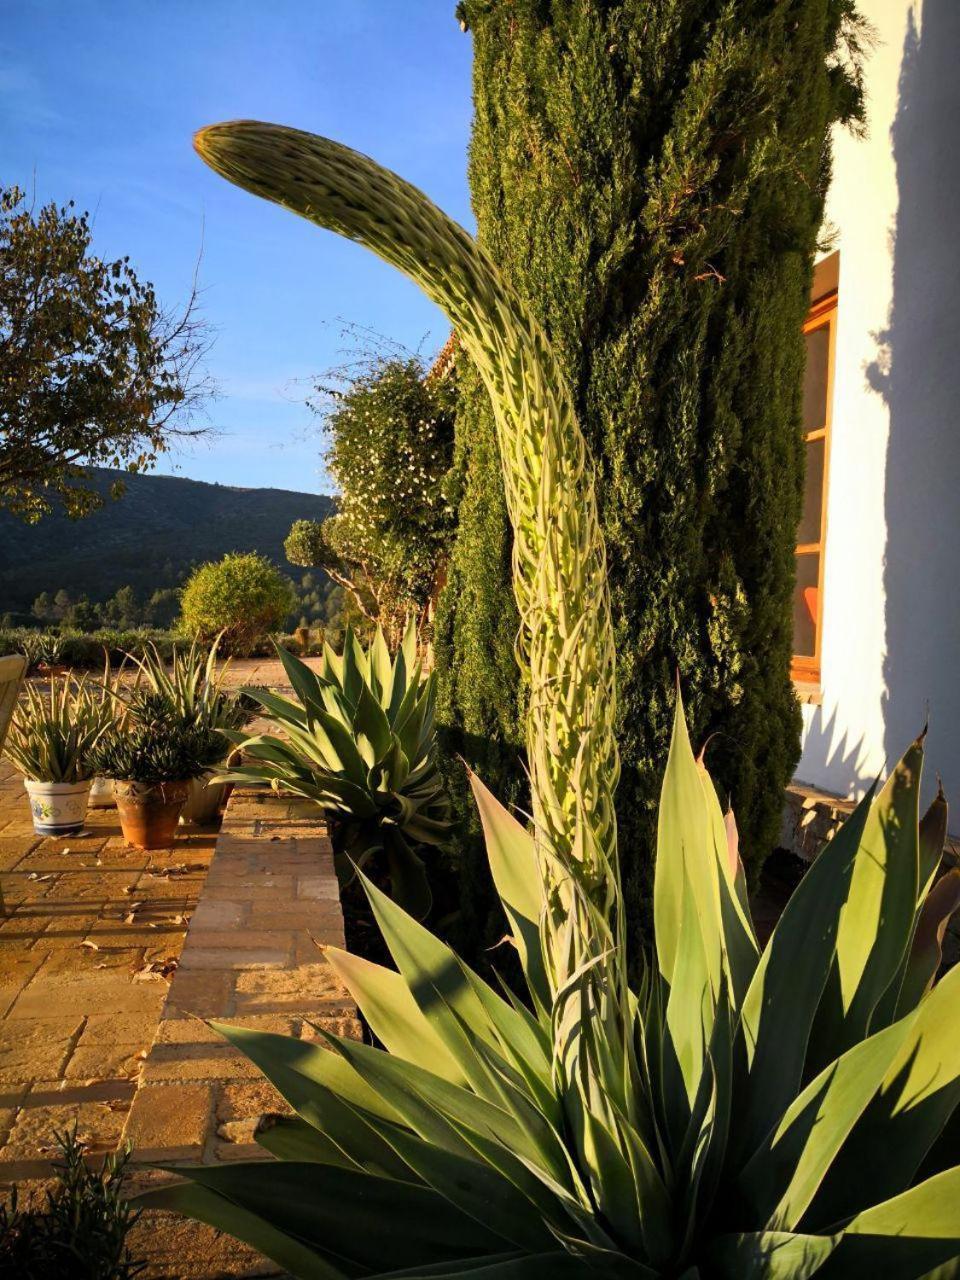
<point x="150" y="811"/>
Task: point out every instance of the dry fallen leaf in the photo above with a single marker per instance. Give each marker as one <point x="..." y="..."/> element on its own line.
<point x="92" y="945"/>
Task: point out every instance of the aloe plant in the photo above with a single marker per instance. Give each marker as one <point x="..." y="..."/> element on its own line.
<point x="191" y="684"/>
<point x="359" y="739"/>
<point x="778" y="1115"/>
<point x="53" y="734"/>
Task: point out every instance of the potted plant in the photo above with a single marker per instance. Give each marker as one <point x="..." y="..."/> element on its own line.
<point x="52" y="739"/>
<point x="153" y="760"/>
<point x="194" y="691"/>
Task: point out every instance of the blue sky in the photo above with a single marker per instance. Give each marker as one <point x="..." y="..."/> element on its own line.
<point x="99" y="102"/>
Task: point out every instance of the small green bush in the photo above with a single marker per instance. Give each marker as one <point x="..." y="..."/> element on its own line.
<point x="242" y="597"/>
<point x="82" y="1229"/>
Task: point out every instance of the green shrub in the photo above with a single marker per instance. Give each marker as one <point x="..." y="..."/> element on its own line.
<point x="81" y="1231"/>
<point x="650" y="178"/>
<point x="244" y="598"/>
<point x="83" y="649"/>
<point x="389" y="428"/>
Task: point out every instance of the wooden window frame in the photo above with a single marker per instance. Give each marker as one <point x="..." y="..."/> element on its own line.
<point x="805" y="669"/>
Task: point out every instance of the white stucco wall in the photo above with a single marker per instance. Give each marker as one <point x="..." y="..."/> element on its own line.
<point x="891" y="610"/>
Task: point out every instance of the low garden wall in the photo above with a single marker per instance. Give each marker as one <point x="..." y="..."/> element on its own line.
<point x="251" y="957"/>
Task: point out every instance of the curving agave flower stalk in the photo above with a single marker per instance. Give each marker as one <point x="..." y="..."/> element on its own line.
<point x="566" y="645"/>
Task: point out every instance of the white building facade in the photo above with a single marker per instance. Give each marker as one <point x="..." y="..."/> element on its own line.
<point x="877" y="606"/>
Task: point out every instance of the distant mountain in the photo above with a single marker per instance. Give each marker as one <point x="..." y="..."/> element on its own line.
<point x="149" y="538"/>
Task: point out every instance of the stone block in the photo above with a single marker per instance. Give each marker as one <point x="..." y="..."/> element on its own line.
<point x="87" y="994"/>
<point x="243" y="939"/>
<point x="217" y="915"/>
<point x="37" y="1048"/>
<point x="128" y="1028"/>
<point x="106" y="1062"/>
<point x="203" y="993"/>
<point x="98" y="1114"/>
<point x="194" y="1062"/>
<point x="324" y="888"/>
<point x="241" y="958"/>
<point x="170" y="1122"/>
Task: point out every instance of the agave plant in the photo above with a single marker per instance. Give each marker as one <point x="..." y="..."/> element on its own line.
<point x="360" y="740"/>
<point x="53" y="734"/>
<point x="748" y="1115"/>
<point x="778" y="1115"/>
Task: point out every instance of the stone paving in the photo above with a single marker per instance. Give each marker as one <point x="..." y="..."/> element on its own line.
<point x="90" y="935"/>
<point x="251" y="958"/>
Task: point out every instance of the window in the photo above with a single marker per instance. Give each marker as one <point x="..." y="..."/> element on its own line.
<point x="819" y="335"/>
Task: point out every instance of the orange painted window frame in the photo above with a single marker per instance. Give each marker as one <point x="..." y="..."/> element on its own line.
<point x="823" y="314"/>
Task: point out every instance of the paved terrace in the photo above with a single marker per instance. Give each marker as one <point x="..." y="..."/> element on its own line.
<point x="91" y="932"/>
<point x="110" y="959"/>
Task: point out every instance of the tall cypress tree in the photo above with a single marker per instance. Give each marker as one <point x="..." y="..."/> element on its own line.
<point x="650" y="175"/>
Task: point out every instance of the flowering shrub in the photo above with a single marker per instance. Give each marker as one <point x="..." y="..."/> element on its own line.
<point x="390" y="433"/>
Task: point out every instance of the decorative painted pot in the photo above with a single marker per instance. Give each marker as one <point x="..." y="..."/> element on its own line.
<point x="58" y="808"/>
<point x="203" y="802"/>
<point x="101" y="794"/>
<point x="150" y="811"/>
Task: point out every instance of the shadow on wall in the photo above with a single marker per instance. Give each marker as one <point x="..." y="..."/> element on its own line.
<point x="828" y="753"/>
<point x="917" y="371"/>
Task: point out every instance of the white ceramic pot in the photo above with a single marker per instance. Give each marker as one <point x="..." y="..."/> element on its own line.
<point x="58" y="808"/>
<point x="102" y="795"/>
<point x="203" y="803"/>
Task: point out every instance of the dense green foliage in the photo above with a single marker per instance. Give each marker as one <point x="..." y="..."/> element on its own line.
<point x="92" y="370"/>
<point x="74" y="649"/>
<point x="360" y="741"/>
<point x="650" y="178"/>
<point x="389" y="434"/>
<point x="150" y="541"/>
<point x="81" y="1229"/>
<point x="155" y="743"/>
<point x="241" y="598"/>
<point x="123" y="610"/>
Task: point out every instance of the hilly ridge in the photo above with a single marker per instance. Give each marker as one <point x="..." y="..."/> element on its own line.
<point x="148" y="538"/>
